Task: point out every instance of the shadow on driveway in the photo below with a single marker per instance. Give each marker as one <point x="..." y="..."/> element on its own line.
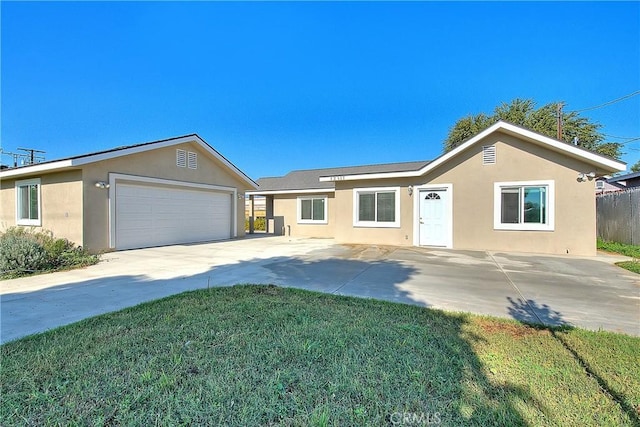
<point x="27" y="312"/>
<point x="468" y="281"/>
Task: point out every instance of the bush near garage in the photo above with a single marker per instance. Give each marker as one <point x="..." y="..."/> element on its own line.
<point x="259" y="224"/>
<point x="25" y="251"/>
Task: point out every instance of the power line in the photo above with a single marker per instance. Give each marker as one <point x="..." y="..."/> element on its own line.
<point x="609" y="102"/>
<point x="630" y="140"/>
<point x="620" y="137"/>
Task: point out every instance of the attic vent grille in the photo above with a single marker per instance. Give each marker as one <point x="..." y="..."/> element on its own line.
<point x="488" y="154"/>
<point x="193" y="160"/>
<point x="181" y="158"/>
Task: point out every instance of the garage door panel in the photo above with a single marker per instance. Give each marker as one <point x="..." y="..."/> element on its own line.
<point x="154" y="216"/>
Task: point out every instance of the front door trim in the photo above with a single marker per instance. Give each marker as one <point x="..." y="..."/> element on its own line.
<point x="448" y="208"/>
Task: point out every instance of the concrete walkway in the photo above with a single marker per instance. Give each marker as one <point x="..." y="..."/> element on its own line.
<point x="587" y="292"/>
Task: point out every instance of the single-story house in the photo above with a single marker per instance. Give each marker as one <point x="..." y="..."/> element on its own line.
<point x="173" y="191"/>
<point x="506" y="189"/>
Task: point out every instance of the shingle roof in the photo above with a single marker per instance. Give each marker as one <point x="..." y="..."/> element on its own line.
<point x="631" y="175"/>
<point x="310" y="179"/>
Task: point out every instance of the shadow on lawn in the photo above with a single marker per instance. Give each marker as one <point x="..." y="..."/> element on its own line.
<point x="455" y="385"/>
<point x="530" y="311"/>
<point x="399" y="367"/>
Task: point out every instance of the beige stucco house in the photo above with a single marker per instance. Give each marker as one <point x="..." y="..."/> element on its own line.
<point x="506" y="189"/>
<point x="178" y="190"/>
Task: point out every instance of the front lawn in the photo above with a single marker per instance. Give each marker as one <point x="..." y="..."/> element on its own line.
<point x="263" y="355"/>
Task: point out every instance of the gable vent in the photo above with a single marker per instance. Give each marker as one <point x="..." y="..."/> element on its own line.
<point x="193" y="160"/>
<point x="181" y="158"/>
<point x="488" y="154"/>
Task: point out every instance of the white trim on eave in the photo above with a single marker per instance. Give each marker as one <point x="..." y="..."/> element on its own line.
<point x="596" y="159"/>
<point x="36" y="169"/>
<point x="92" y="158"/>
<point x="307" y="191"/>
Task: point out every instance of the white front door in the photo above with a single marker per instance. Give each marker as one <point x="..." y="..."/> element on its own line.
<point x="434" y="217"/>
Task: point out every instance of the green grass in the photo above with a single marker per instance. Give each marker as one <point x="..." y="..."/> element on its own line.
<point x="632" y="251"/>
<point x="263" y="355"/>
<point x="633" y="266"/>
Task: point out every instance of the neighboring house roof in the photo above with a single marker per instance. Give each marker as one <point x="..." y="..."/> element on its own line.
<point x="84" y="159"/>
<point x="301" y="181"/>
<point x="624" y="181"/>
<point x="603" y="162"/>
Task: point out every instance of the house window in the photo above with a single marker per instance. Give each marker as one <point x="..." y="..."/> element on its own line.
<point x="312" y="210"/>
<point x="524" y="205"/>
<point x="376" y="207"/>
<point x="28" y="202"/>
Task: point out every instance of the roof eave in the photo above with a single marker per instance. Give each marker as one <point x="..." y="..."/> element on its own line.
<point x="37" y="168"/>
<point x="604" y="163"/>
<point x="380" y="175"/>
<point x="298" y="191"/>
<point x="92" y="158"/>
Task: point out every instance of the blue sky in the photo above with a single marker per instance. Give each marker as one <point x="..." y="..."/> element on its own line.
<point x="282" y="86"/>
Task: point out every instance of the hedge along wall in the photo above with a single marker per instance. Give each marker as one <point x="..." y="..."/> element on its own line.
<point x="618" y="216"/>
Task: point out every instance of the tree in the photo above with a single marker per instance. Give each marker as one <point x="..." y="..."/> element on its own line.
<point x="636" y="167"/>
<point x="523" y="112"/>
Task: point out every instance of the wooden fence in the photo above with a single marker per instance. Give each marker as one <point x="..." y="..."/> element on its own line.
<point x="618" y="216"/>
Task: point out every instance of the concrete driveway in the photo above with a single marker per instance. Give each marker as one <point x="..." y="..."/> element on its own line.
<point x="587" y="292"/>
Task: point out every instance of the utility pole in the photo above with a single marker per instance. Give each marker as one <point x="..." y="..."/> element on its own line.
<point x="559" y="119"/>
<point x="32" y="157"/>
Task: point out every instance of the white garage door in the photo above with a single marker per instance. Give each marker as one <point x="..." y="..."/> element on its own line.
<point x="148" y="216"/>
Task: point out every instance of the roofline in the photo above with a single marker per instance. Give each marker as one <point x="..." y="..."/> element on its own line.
<point x="305" y="191"/>
<point x="605" y="162"/>
<point x="631" y="175"/>
<point x="119" y="152"/>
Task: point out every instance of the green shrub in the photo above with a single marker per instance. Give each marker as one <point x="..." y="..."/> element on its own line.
<point x="19" y="255"/>
<point x="24" y="251"/>
<point x="259" y="224"/>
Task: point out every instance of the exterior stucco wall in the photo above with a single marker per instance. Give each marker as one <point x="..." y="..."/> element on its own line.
<point x="61" y="204"/>
<point x="346" y="232"/>
<point x="473" y="201"/>
<point x="159" y="163"/>
<point x="286" y="205"/>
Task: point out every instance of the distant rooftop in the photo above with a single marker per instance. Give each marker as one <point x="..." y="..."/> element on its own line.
<point x="310" y="179"/>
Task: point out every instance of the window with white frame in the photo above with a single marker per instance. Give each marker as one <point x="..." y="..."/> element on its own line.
<point x="376" y="207"/>
<point x="28" y="211"/>
<point x="524" y="205"/>
<point x="312" y="210"/>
